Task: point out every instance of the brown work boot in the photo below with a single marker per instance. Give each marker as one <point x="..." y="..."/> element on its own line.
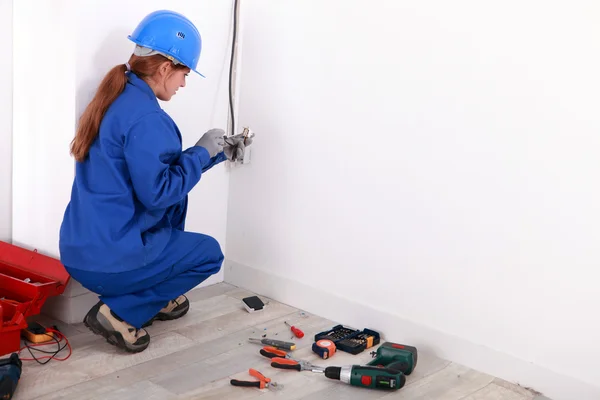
<point x="103" y="321"/>
<point x="174" y="309"/>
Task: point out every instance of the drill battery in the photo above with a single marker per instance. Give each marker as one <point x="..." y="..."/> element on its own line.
<point x="401" y="356"/>
<point x="10" y="373"/>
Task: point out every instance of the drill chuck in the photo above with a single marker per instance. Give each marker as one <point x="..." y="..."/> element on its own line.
<point x="333" y="372"/>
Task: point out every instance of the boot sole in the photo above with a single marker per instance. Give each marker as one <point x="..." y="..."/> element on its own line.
<point x="113" y="337"/>
<point x="166" y="317"/>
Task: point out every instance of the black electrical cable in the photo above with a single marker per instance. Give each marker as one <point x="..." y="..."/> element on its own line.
<point x="235" y="6"/>
<point x="54" y="353"/>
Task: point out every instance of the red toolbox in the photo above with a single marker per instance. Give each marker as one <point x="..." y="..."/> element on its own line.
<point x="27" y="279"/>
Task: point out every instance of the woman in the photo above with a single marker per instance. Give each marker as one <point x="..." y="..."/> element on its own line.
<point x="123" y="235"/>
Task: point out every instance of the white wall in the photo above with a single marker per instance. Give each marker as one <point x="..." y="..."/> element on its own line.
<point x="53" y="84"/>
<point x="43" y="120"/>
<point x="6" y="121"/>
<point x="434" y="161"/>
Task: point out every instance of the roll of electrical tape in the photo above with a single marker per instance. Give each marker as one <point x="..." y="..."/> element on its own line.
<point x="324" y="348"/>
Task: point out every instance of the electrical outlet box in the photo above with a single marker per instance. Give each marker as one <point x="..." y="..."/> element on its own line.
<point x="248" y="150"/>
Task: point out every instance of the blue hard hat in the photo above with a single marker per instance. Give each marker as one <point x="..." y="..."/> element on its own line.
<point x="171" y="34"/>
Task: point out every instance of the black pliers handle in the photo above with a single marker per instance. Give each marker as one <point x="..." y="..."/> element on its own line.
<point x="272" y="352"/>
<point x="263" y="381"/>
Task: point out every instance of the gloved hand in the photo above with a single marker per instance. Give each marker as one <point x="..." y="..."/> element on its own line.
<point x="235" y="146"/>
<point x="213" y="141"/>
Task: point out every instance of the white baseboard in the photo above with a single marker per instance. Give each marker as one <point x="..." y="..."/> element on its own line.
<point x="345" y="311"/>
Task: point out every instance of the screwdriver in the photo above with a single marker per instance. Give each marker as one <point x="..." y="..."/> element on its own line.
<point x="275" y="343"/>
<point x="297" y="332"/>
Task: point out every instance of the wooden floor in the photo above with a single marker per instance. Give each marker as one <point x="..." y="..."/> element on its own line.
<point x="196" y="356"/>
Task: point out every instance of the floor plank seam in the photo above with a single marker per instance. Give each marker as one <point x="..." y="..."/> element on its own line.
<point x="429" y="374"/>
<point x="241" y="329"/>
<point x="477" y="391"/>
<point x="190" y="345"/>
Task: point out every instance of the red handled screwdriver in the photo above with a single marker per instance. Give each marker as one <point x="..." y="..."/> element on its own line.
<point x="297" y="332"/>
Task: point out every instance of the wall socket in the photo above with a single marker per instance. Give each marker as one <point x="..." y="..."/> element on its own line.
<point x="248" y="151"/>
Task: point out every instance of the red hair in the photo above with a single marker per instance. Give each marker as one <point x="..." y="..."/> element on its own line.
<point x="110" y="88"/>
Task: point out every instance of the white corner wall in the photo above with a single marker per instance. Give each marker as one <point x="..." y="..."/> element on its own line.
<point x="43" y="120"/>
<point x="428" y="169"/>
<point x="6" y="82"/>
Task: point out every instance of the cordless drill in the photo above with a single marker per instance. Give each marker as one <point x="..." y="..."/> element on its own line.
<point x="402" y="356"/>
<point x="10" y="373"/>
<point x="368" y="376"/>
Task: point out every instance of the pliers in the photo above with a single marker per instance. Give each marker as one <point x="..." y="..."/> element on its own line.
<point x="298" y="365"/>
<point x="262" y="383"/>
<point x="271" y="352"/>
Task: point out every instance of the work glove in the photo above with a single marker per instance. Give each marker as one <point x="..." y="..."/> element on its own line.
<point x="235" y="146"/>
<point x="213" y="141"/>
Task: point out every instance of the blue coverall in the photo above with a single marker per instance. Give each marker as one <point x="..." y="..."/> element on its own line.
<point x="122" y="235"/>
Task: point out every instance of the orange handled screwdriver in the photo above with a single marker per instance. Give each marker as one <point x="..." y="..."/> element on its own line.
<point x="297" y="332"/>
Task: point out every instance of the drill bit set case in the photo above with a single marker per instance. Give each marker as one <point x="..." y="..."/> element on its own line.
<point x="350" y="340"/>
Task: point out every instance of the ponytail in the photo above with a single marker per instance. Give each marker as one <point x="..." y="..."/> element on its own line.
<point x="110" y="88"/>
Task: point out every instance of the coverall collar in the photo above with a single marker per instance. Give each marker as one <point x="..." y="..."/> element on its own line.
<point x="142" y="85"/>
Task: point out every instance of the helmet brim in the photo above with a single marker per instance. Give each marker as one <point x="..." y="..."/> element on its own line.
<point x="165" y="53"/>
